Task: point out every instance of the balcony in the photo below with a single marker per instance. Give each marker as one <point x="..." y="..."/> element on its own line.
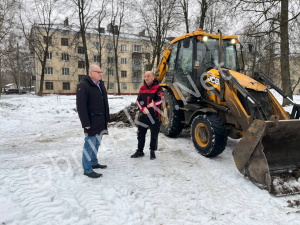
<point x="136" y="67"/>
<point x="137" y="79"/>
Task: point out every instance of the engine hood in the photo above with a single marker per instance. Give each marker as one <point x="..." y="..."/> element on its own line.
<point x="245" y="81"/>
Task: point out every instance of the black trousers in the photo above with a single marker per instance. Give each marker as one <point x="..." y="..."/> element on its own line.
<point x="144" y="123"/>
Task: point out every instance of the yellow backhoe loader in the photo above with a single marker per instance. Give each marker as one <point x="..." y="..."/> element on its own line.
<point x="205" y="88"/>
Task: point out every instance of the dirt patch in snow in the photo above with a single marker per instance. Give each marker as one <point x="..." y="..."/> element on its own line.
<point x="294" y="203"/>
<point x="129" y="112"/>
<point x="286" y="183"/>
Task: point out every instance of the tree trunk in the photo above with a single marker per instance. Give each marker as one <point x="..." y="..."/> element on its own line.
<point x="0" y="78"/>
<point x="185" y="7"/>
<point x="117" y="72"/>
<point x="40" y="93"/>
<point x="116" y="42"/>
<point x="159" y="36"/>
<point x="204" y="7"/>
<point x="82" y="32"/>
<point x="284" y="49"/>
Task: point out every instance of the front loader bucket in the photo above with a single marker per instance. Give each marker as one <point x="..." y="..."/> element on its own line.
<point x="269" y="154"/>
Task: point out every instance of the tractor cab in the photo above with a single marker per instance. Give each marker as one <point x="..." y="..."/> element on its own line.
<point x="191" y="56"/>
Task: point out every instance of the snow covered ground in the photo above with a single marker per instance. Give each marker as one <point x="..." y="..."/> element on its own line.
<point x="42" y="182"/>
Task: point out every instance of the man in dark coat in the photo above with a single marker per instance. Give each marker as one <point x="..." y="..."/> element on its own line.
<point x="93" y="111"/>
<point x="149" y="100"/>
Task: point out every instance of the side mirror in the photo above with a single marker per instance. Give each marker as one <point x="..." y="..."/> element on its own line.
<point x="186" y="43"/>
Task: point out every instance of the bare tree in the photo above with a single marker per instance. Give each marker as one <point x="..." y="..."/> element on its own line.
<point x="185" y="8"/>
<point x="158" y="18"/>
<point x="7" y="20"/>
<point x="285" y="50"/>
<point x="86" y="15"/>
<point x="40" y="35"/>
<point x="100" y="32"/>
<point x="118" y="14"/>
<point x="204" y="5"/>
<point x="271" y="17"/>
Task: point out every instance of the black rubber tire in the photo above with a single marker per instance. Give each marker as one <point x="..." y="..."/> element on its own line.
<point x="174" y="125"/>
<point x="216" y="129"/>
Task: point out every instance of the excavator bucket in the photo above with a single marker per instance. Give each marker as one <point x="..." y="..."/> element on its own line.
<point x="269" y="155"/>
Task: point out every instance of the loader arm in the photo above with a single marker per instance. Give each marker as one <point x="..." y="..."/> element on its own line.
<point x="227" y="93"/>
<point x="163" y="66"/>
<point x="296" y="107"/>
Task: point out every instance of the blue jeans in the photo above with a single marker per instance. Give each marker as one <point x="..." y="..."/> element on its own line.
<point x="90" y="150"/>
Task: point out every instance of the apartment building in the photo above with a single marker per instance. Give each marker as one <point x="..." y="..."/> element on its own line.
<point x="65" y="65"/>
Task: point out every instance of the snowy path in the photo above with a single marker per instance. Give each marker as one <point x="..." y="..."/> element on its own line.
<point x="41" y="144"/>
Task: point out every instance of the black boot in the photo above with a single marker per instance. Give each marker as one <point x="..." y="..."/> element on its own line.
<point x="152" y="155"/>
<point x="93" y="174"/>
<point x="98" y="166"/>
<point x="137" y="154"/>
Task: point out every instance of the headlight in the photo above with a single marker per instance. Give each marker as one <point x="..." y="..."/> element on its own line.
<point x="205" y="38"/>
<point x="232" y="41"/>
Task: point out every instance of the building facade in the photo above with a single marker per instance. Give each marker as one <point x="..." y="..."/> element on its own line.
<point x="65" y="62"/>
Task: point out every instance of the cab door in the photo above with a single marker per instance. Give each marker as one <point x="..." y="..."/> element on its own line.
<point x="184" y="66"/>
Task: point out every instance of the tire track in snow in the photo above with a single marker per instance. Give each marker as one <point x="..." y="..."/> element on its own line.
<point x="41" y="204"/>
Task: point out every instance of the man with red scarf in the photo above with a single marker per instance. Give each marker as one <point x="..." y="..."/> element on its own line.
<point x="149" y="102"/>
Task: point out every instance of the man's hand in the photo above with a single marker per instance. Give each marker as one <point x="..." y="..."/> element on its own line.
<point x="145" y="111"/>
<point x="87" y="127"/>
<point x="151" y="104"/>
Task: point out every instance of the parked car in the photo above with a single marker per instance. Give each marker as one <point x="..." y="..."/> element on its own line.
<point x="15" y="91"/>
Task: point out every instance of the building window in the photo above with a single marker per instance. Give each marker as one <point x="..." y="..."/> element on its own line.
<point x="124" y="61"/>
<point x="147" y="56"/>
<point x="48" y="71"/>
<point x="110" y="59"/>
<point x="80" y="50"/>
<point x="65" y="71"/>
<point x="136" y="74"/>
<point x="111" y="86"/>
<point x="47" y="40"/>
<point x="135" y="86"/>
<point x="64" y="57"/>
<point x="96" y="45"/>
<point x="124" y="86"/>
<point x="80" y="77"/>
<point x="64" y="42"/>
<point x="49" y="85"/>
<point x="110" y="73"/>
<point x="49" y="56"/>
<point x="97" y="58"/>
<point x="81" y="64"/>
<point x="148" y="67"/>
<point x="137" y="48"/>
<point x="110" y="45"/>
<point x="294" y="73"/>
<point x="123" y="48"/>
<point x="66" y="85"/>
<point x="123" y="73"/>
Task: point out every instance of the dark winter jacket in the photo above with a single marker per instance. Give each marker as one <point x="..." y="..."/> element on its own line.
<point x="147" y="94"/>
<point x="92" y="106"/>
